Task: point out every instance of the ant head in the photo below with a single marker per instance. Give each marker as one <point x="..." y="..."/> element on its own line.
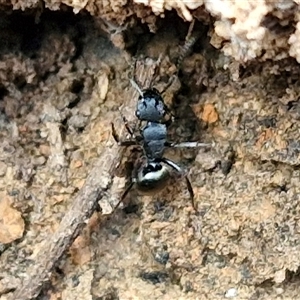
<point x="151" y="106"/>
<point x="152" y="177"/>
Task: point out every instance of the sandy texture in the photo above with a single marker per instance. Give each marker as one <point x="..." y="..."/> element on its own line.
<point x="63" y="78"/>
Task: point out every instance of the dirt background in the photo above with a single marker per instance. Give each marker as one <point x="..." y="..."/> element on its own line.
<point x="62" y="81"/>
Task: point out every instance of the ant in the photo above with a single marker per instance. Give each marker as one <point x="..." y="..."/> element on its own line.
<point x="151" y="172"/>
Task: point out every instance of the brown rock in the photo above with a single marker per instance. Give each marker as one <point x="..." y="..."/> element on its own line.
<point x="209" y="113"/>
<point x="11" y="222"/>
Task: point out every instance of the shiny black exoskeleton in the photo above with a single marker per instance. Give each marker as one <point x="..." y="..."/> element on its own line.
<point x="152" y="171"/>
<point x="154" y="137"/>
<point x="151" y="107"/>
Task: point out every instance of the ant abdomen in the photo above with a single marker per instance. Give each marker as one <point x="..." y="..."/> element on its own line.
<point x="152" y="178"/>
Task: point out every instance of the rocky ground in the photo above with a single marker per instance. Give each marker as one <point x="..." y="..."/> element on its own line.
<point x="63" y="78"/>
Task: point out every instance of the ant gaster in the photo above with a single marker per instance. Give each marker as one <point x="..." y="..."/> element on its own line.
<point x="152" y="171"/>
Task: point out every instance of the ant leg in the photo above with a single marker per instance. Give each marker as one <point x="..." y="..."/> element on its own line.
<point x="138" y="138"/>
<point x="191" y="192"/>
<point x="127" y="126"/>
<point x="170" y="82"/>
<point x="114" y="133"/>
<point x="170" y="120"/>
<point x="136" y="86"/>
<point x="117" y="138"/>
<point x="187" y="145"/>
<point x="190" y="40"/>
<point x="173" y="165"/>
<point x="124" y="195"/>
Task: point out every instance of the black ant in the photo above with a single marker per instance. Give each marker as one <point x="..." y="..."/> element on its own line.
<point x="152" y="170"/>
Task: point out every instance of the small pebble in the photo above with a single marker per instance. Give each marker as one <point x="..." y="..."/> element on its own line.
<point x="231" y="293"/>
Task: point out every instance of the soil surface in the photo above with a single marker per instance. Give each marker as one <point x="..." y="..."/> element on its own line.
<point x="62" y="82"/>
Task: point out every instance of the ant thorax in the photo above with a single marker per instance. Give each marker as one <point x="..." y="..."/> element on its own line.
<point x="154" y="136"/>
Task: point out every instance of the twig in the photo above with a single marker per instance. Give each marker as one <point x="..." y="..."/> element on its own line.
<point x="96" y="188"/>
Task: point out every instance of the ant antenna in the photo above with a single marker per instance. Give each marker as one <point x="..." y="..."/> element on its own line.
<point x="135" y="85"/>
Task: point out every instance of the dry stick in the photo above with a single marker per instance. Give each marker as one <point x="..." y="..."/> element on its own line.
<point x="95" y="188"/>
